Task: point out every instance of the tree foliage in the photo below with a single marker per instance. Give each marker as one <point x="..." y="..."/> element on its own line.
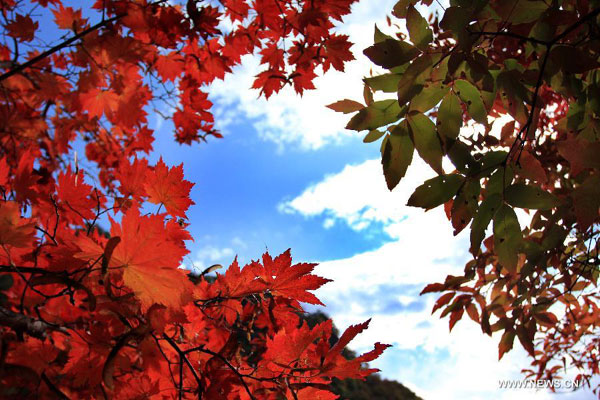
<point x="86" y="313"/>
<point x="529" y="189"/>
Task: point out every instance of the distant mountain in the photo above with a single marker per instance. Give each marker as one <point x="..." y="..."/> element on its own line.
<point x="373" y="388"/>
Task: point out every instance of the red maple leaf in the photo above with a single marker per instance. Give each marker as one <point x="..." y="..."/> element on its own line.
<point x="292" y="281"/>
<point x="68" y="18"/>
<point x="98" y="101"/>
<point x="149" y="260"/>
<point x="337" y="49"/>
<point x="23" y="27"/>
<point x="269" y="82"/>
<point x="14" y="231"/>
<point x="76" y="195"/>
<point x="167" y="186"/>
<point x="335" y="364"/>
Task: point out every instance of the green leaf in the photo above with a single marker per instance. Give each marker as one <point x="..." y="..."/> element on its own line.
<point x="460" y="155"/>
<point x="426" y="141"/>
<point x="373" y="136"/>
<point x="6" y="281"/>
<point x="387" y="83"/>
<point x="465" y="205"/>
<point x="380" y="36"/>
<point x="436" y="191"/>
<point x="412" y="81"/>
<point x="428" y="98"/>
<point x="528" y="196"/>
<point x="401" y="7"/>
<point x="391" y="53"/>
<point x="507" y="237"/>
<point x="418" y="28"/>
<point x="520" y="11"/>
<point x="346" y="106"/>
<point x="449" y="118"/>
<point x="491" y="161"/>
<point x="397" y="154"/>
<point x="500" y="180"/>
<point x="378" y="114"/>
<point x="482" y="219"/>
<point x="470" y="95"/>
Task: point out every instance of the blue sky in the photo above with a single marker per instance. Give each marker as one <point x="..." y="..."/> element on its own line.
<point x="287" y="175"/>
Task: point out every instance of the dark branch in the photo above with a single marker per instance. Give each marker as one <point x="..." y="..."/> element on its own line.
<point x="58" y="47"/>
<point x="183" y="359"/>
<point x="24" y="324"/>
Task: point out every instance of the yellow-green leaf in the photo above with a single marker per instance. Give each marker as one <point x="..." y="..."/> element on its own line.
<point x="373" y="135"/>
<point x="390" y="53"/>
<point x="436" y="191"/>
<point x="470" y="95"/>
<point x="413" y="79"/>
<point x="507" y="237"/>
<point x="528" y="196"/>
<point x="378" y="114"/>
<point x="465" y="205"/>
<point x="428" y="98"/>
<point x="418" y="28"/>
<point x="426" y="141"/>
<point x="449" y="119"/>
<point x="397" y="154"/>
<point x="482" y="219"/>
<point x="387" y="83"/>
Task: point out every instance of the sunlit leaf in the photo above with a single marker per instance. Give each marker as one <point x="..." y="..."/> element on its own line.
<point x="436" y="191"/>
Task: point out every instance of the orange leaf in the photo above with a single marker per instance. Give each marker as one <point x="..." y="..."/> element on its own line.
<point x="167" y="186"/>
<point x="98" y="101"/>
<point x="149" y="260"/>
<point x="14" y="231"/>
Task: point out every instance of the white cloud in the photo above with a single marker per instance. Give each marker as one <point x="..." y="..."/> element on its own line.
<point x="288" y="118"/>
<point x="385" y="283"/>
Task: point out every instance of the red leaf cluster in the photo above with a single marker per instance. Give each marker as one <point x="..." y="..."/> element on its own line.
<point x="86" y="313"/>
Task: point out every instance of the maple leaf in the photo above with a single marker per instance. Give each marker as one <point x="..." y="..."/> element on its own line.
<point x="23" y="27"/>
<point x="167" y="186"/>
<point x="287" y="347"/>
<point x="68" y="18"/>
<point x="149" y="261"/>
<point x="292" y="281"/>
<point x="303" y="80"/>
<point x="14" y="231"/>
<point x="76" y="195"/>
<point x="132" y="176"/>
<point x="98" y="102"/>
<point x="334" y="364"/>
<point x="338" y="52"/>
<point x="269" y="82"/>
<point x="169" y="66"/>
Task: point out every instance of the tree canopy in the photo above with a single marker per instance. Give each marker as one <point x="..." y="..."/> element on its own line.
<point x="88" y="313"/>
<point x="507" y="91"/>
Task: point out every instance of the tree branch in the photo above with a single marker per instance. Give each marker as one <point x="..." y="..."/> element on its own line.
<point x="24" y="324"/>
<point x="56" y="48"/>
<point x="183" y="359"/>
